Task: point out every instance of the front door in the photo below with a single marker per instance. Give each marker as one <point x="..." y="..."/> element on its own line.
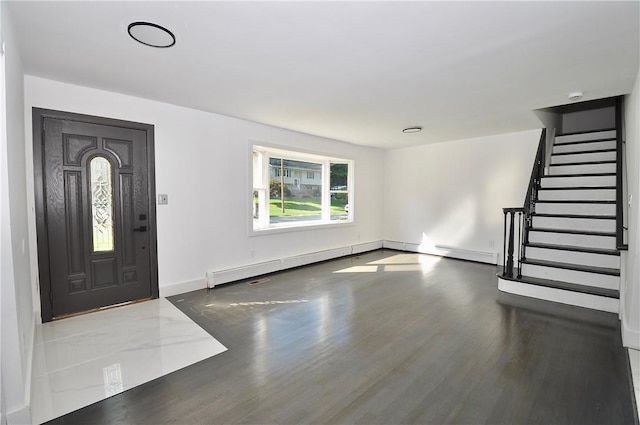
<point x="96" y="215"/>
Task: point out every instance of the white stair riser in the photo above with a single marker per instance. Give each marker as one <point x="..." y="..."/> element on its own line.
<point x="574" y="257"/>
<point x="583" y="157"/>
<point x="587" y="241"/>
<point x="595" y="302"/>
<point x="569" y="223"/>
<point x="609" y="144"/>
<point x="609" y="134"/>
<point x="583" y="209"/>
<point x="578" y="181"/>
<point x="582" y="169"/>
<point x="572" y="276"/>
<point x="578" y="194"/>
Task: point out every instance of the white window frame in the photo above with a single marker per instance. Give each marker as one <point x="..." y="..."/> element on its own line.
<point x="262" y="225"/>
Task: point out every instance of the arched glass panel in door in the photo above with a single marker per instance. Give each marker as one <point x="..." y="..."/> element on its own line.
<point x="101" y="204"/>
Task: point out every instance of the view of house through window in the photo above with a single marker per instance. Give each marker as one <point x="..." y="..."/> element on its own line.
<point x="292" y="188"/>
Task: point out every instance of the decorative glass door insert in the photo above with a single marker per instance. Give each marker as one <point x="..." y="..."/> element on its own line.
<point x="101" y="204"/>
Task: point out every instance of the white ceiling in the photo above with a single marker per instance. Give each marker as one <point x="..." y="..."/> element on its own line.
<point x="353" y="71"/>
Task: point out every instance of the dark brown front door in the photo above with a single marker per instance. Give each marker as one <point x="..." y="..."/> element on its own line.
<point x="96" y="215"/>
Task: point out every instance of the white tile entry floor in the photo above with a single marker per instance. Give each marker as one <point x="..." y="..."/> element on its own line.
<point x="81" y="360"/>
<point x="634" y="358"/>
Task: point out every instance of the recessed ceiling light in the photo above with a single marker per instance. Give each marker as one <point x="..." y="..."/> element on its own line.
<point x="151" y="34"/>
<point x="412" y="130"/>
<point x="577" y="95"/>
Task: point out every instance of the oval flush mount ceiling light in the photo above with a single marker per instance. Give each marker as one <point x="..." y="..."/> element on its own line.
<point x="151" y="34"/>
<point x="412" y="130"/>
<point x="576" y="95"/>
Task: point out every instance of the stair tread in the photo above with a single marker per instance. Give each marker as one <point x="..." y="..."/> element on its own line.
<point x="570" y="266"/>
<point x="597" y="217"/>
<point x="574" y="287"/>
<point x="574" y="201"/>
<point x="577" y="142"/>
<point x="584" y="163"/>
<point x="578" y="188"/>
<point x="574" y="248"/>
<point x="571" y="231"/>
<point x="576" y="133"/>
<point x="581" y="152"/>
<point x="577" y="175"/>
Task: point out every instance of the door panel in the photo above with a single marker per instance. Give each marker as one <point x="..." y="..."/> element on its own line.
<point x="98" y="219"/>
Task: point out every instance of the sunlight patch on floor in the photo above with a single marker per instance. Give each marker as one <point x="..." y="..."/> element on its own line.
<point x="397" y="263"/>
<point x="272" y="302"/>
<point x="359" y="269"/>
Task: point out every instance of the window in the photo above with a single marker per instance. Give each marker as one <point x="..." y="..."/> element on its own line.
<point x="101" y="204"/>
<point x="277" y="171"/>
<point x="280" y="200"/>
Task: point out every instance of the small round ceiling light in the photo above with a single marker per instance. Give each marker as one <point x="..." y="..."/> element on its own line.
<point x="412" y="130"/>
<point x="576" y="95"/>
<point x="151" y="34"/>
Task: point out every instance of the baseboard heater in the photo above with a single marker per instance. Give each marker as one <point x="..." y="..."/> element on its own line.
<point x="445" y="251"/>
<point x="218" y="277"/>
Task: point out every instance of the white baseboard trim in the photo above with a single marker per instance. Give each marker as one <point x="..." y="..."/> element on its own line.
<point x="182" y="287"/>
<point x="445" y="251"/>
<point x="21" y="416"/>
<point x="29" y="369"/>
<point x="630" y="337"/>
<point x="594" y="302"/>
<point x="217" y="277"/>
<point x="366" y="247"/>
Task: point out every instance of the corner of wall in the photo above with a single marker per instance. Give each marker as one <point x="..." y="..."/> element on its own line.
<point x="182" y="287"/>
<point x="630" y="290"/>
<point x="630" y="337"/>
<point x="18" y="324"/>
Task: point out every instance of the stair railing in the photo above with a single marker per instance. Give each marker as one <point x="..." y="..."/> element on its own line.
<point x="620" y="198"/>
<point x="509" y="242"/>
<point x="524" y="216"/>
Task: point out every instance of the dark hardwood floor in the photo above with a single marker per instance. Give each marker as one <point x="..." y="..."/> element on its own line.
<point x="386" y="337"/>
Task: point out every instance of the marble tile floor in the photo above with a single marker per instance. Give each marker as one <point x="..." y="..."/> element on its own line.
<point x="84" y="359"/>
<point x="634" y="358"/>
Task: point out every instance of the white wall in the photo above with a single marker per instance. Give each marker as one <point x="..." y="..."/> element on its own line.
<point x="452" y="193"/>
<point x="594" y="119"/>
<point x="4" y="197"/>
<point x="17" y="309"/>
<point x="631" y="290"/>
<point x="203" y="163"/>
<point x="553" y="123"/>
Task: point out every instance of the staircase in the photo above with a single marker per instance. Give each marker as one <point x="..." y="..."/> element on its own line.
<point x="569" y="249"/>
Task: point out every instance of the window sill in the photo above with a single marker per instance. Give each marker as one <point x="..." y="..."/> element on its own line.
<point x="287" y="228"/>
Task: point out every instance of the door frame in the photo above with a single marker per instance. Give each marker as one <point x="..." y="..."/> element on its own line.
<point x="39" y="115"/>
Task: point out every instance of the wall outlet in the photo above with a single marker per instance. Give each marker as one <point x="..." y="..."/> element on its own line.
<point x="163" y="199"/>
<point x="492" y="244"/>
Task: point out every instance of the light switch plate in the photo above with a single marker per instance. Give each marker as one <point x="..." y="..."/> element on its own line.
<point x="163" y="199"/>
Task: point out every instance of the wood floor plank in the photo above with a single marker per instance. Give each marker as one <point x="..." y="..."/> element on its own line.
<point x="386" y="337"/>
